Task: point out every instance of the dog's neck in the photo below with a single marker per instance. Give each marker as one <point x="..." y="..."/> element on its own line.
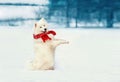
<point x="44" y="36"/>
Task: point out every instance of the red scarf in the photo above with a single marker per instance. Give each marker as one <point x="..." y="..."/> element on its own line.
<point x="44" y="36"/>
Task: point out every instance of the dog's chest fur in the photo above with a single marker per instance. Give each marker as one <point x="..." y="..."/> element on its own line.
<point x="46" y="47"/>
<point x="44" y="54"/>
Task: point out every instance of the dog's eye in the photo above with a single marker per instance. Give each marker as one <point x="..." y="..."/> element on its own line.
<point x="40" y="27"/>
<point x="44" y="25"/>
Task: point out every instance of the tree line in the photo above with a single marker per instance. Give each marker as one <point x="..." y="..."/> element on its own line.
<point x="107" y="11"/>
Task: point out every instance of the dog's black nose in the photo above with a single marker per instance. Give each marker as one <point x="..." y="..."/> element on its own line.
<point x="45" y="29"/>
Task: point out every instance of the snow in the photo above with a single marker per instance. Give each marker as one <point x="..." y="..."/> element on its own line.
<point x="93" y="55"/>
<point x="25" y="1"/>
<point x="7" y="12"/>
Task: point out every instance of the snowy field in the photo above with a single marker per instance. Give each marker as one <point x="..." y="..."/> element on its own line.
<point x="93" y="55"/>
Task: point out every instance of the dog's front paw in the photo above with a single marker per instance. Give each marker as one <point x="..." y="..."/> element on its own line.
<point x="67" y="42"/>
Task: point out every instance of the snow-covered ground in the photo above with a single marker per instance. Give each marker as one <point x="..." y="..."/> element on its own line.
<point x="93" y="55"/>
<point x="26" y="1"/>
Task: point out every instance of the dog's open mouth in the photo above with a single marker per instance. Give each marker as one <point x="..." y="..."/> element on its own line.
<point x="44" y="31"/>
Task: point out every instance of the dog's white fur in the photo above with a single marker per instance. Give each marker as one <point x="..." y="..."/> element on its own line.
<point x="44" y="52"/>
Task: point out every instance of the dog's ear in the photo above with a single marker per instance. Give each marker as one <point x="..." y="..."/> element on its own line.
<point x="42" y="19"/>
<point x="35" y="25"/>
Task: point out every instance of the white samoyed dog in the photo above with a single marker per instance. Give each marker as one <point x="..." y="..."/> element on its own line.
<point x="44" y="46"/>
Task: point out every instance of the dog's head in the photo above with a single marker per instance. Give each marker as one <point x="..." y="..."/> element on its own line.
<point x="40" y="26"/>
